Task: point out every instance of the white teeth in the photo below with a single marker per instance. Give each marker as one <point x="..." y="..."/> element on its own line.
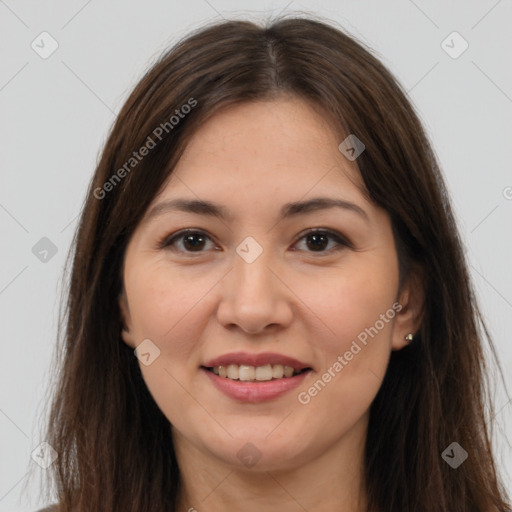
<point x="277" y="371"/>
<point x="260" y="373"/>
<point x="246" y="372"/>
<point x="264" y="372"/>
<point x="233" y="371"/>
<point x="288" y="371"/>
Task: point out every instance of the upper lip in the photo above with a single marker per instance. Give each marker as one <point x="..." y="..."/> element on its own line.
<point x="262" y="359"/>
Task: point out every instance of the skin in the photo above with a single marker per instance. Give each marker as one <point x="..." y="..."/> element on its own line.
<point x="305" y="303"/>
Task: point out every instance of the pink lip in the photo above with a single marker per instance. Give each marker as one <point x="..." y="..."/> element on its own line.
<point x="255" y="392"/>
<point x="255" y="360"/>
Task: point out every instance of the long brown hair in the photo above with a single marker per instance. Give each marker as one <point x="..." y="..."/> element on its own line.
<point x="114" y="444"/>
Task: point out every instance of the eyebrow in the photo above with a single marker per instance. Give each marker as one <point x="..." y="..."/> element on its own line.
<point x="288" y="210"/>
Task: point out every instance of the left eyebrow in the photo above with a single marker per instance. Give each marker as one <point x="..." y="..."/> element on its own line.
<point x="288" y="210"/>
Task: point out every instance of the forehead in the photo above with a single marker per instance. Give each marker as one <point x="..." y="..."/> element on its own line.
<point x="264" y="150"/>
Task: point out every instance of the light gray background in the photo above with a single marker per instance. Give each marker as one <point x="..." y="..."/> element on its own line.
<point x="55" y="114"/>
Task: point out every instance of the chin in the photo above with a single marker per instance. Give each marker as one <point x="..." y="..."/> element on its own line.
<point x="258" y="452"/>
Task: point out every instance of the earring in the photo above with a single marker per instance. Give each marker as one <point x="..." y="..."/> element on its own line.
<point x="410" y="337"/>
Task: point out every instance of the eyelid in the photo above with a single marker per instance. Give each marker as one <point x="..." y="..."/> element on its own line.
<point x="335" y="235"/>
<point x="167" y="240"/>
<point x="341" y="240"/>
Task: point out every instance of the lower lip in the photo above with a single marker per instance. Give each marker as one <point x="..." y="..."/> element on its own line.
<point x="255" y="391"/>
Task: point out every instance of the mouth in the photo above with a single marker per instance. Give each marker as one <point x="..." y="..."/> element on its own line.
<point x="255" y="377"/>
<point x="248" y="373"/>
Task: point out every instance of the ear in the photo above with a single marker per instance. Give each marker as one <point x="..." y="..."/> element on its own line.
<point x="409" y="317"/>
<point x="126" y="332"/>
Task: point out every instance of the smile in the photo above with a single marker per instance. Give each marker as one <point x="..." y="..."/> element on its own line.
<point x="253" y="378"/>
<point x="255" y="373"/>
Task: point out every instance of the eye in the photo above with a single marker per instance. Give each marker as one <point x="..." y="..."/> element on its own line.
<point x="319" y="238"/>
<point x="194" y="241"/>
<point x="189" y="239"/>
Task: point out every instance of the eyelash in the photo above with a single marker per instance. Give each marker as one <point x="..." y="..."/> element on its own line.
<point x="168" y="241"/>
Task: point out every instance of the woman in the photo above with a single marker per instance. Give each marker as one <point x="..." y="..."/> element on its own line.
<point x="269" y="306"/>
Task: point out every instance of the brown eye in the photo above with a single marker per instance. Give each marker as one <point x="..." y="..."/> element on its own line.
<point x="318" y="241"/>
<point x="186" y="241"/>
<point x="194" y="241"/>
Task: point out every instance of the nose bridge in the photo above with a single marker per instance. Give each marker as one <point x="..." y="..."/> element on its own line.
<point x="253" y="296"/>
<point x="252" y="275"/>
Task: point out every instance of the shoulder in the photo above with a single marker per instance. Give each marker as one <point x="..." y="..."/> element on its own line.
<point x="51" y="508"/>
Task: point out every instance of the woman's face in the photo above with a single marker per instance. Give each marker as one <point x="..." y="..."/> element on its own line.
<point x="251" y="290"/>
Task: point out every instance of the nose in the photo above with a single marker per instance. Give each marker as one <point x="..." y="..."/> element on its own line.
<point x="255" y="297"/>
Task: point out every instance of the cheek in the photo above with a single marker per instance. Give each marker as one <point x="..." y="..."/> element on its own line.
<point x="353" y="359"/>
<point x="163" y="301"/>
<point x="353" y="304"/>
<point x="358" y="308"/>
<point x="168" y="309"/>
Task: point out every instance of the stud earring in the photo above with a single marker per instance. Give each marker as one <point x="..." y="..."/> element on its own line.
<point x="410" y="337"/>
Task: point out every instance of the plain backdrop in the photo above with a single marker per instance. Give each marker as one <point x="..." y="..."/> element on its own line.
<point x="56" y="111"/>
